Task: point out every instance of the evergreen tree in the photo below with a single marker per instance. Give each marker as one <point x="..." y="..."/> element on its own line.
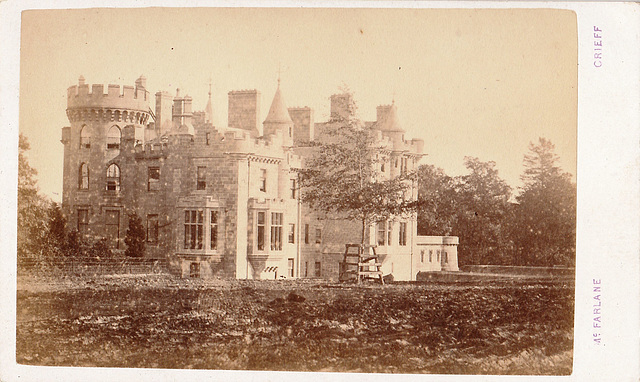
<point x="135" y="237"/>
<point x="544" y="226"/>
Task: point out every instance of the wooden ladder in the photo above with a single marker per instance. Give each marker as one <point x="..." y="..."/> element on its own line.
<point x="360" y="265"/>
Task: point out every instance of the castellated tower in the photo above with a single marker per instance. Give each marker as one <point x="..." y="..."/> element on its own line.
<point x="95" y="137"/>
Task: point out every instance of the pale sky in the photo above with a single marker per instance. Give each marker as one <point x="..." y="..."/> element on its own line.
<point x="480" y="83"/>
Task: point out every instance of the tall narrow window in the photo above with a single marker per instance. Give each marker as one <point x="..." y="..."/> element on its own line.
<point x="214" y="230"/>
<point x="113" y="177"/>
<point x="431" y="255"/>
<point x="292" y="233"/>
<point x="201" y="178"/>
<point x="276" y="231"/>
<point x="263" y="180"/>
<point x="422" y="256"/>
<point x="261" y="227"/>
<point x="83" y="221"/>
<point x="208" y="138"/>
<point x="153" y="179"/>
<point x="403" y="234"/>
<point x="438" y="255"/>
<point x="389" y="233"/>
<point x="306" y="269"/>
<point x="194" y="270"/>
<point x="193" y="229"/>
<point x="318" y="235"/>
<point x="113" y="138"/>
<point x="83" y="177"/>
<point x="306" y="233"/>
<point x="382" y="232"/>
<point x="446" y="257"/>
<point x="85" y="137"/>
<point x="152" y="228"/>
<point x="290" y="267"/>
<point x="112" y="227"/>
<point x="293" y="188"/>
<point x="318" y="269"/>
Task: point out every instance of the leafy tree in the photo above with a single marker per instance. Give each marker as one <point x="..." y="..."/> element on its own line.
<point x="544" y="226"/>
<point x="343" y="176"/>
<point x="437" y="201"/>
<point x="32" y="211"/>
<point x="481" y="208"/>
<point x="135" y="237"/>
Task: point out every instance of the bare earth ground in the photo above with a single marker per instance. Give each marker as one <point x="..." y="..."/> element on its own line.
<point x="486" y="325"/>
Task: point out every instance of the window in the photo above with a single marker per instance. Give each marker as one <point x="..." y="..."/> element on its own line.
<point x="389" y="226"/>
<point x="382" y="167"/>
<point x="438" y="255"/>
<point x="153" y="182"/>
<point x="194" y="270"/>
<point x="293" y="188"/>
<point x="113" y="138"/>
<point x="318" y="269"/>
<point x="193" y="229"/>
<point x="214" y="230"/>
<point x="306" y="233"/>
<point x="152" y="229"/>
<point x="83" y="221"/>
<point x="290" y="131"/>
<point x="306" y="269"/>
<point x="422" y="256"/>
<point x="396" y="162"/>
<point x="263" y="180"/>
<point x="113" y="177"/>
<point x="318" y="235"/>
<point x="446" y="257"/>
<point x="403" y="234"/>
<point x="276" y="231"/>
<point x="290" y="267"/>
<point x="430" y="255"/>
<point x="208" y="138"/>
<point x="201" y="178"/>
<point x="382" y="232"/>
<point x="112" y="228"/>
<point x="261" y="230"/>
<point x="292" y="233"/>
<point x="85" y="137"/>
<point x="83" y="177"/>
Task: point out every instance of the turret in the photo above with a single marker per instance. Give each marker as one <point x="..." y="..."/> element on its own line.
<point x="278" y="119"/>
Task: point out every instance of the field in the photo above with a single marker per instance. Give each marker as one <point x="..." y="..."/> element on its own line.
<point x="482" y="325"/>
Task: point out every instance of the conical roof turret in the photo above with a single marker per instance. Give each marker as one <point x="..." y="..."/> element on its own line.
<point x="278" y="112"/>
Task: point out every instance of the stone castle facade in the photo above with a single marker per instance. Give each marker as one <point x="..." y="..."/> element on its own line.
<point x="223" y="201"/>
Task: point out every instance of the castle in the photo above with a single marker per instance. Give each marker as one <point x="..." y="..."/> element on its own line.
<point x="223" y="201"/>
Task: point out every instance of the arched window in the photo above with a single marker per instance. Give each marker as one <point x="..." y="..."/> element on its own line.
<point x="85" y="137"/>
<point x="113" y="138"/>
<point x="83" y="177"/>
<point x="113" y="177"/>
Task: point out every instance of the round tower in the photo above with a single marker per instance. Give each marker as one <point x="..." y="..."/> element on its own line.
<point x="98" y="120"/>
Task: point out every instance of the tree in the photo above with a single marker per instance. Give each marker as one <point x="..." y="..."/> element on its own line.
<point x="135" y="237"/>
<point x="32" y="211"/>
<point x="56" y="226"/>
<point x="544" y="226"/>
<point x="481" y="208"/>
<point x="437" y="200"/>
<point x="343" y="175"/>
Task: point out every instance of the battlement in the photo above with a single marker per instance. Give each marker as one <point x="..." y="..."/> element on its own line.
<point x="94" y="96"/>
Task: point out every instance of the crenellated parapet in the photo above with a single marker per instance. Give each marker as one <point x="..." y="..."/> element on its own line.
<point x="129" y="104"/>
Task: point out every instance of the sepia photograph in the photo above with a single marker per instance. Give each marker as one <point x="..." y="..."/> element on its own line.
<point x="336" y="190"/>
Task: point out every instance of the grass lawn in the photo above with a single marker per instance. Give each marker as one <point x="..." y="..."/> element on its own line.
<point x="490" y="325"/>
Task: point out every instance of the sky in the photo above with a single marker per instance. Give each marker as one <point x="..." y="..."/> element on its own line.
<point x="480" y="83"/>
